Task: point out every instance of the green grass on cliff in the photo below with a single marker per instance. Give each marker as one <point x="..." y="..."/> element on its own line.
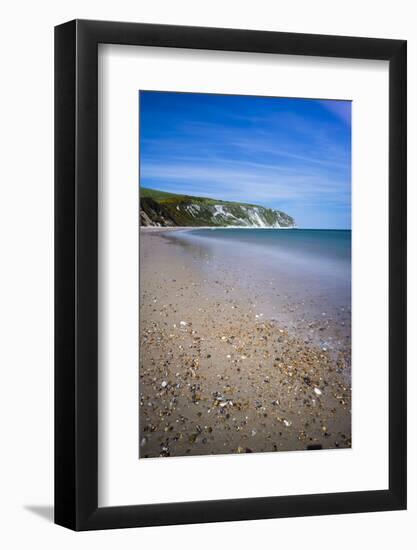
<point x="174" y="209"/>
<point x="168" y="198"/>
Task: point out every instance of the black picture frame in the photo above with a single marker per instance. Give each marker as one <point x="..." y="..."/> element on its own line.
<point x="76" y="272"/>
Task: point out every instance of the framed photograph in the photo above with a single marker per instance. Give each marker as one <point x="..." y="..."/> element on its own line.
<point x="230" y="254"/>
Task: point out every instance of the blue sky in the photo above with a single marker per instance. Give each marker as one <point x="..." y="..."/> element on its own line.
<point x="290" y="154"/>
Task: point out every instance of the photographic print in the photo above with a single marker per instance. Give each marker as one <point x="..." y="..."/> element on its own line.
<point x="245" y="274"/>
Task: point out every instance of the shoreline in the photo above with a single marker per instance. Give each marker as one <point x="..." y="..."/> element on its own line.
<point x="157" y="229"/>
<point x="162" y="229"/>
<point x="216" y="376"/>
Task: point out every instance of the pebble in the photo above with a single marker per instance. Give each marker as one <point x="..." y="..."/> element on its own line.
<point x="245" y="405"/>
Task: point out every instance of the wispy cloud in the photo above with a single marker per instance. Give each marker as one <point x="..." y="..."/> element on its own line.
<point x="287" y="154"/>
<point x="255" y="181"/>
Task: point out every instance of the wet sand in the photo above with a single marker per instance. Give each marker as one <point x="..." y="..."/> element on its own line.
<point x="219" y="374"/>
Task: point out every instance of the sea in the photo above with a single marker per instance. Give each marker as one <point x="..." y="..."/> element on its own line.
<point x="299" y="277"/>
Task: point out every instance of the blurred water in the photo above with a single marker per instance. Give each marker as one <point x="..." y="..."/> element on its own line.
<point x="323" y="255"/>
<point x="298" y="276"/>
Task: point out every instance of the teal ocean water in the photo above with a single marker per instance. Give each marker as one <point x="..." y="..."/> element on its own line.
<point x="300" y="277"/>
<point x="299" y="244"/>
<point x="323" y="256"/>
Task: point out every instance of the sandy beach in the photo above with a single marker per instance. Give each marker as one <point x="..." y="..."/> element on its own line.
<point x="223" y="370"/>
